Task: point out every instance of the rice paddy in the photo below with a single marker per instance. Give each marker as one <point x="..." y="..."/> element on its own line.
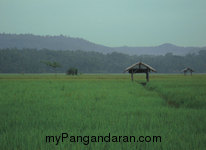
<point x="35" y="106"/>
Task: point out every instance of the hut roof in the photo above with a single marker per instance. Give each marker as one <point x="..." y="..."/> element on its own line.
<point x="187" y="69"/>
<point x="138" y="65"/>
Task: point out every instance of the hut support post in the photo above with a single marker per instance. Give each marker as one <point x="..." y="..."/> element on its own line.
<point x="147" y="76"/>
<point x="132" y="75"/>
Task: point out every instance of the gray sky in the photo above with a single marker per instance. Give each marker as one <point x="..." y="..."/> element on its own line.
<point x="110" y="22"/>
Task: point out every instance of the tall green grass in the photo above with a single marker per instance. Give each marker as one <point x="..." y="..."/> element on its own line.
<point x="34" y="106"/>
<point x="181" y="91"/>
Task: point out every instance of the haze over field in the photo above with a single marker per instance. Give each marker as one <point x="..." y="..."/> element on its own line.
<point x="112" y="23"/>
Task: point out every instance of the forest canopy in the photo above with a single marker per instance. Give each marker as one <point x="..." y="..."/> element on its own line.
<point x="29" y="61"/>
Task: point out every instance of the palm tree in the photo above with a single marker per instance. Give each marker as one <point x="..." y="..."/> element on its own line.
<point x="53" y="64"/>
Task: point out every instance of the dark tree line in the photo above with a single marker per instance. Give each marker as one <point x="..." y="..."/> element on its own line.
<point x="29" y="61"/>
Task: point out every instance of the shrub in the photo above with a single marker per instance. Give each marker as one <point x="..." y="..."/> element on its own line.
<point x="72" y="71"/>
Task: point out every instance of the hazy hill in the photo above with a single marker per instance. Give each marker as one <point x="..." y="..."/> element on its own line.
<point x="159" y="50"/>
<point x="49" y="42"/>
<point x="21" y="41"/>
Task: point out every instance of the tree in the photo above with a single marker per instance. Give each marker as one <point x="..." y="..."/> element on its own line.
<point x="53" y="64"/>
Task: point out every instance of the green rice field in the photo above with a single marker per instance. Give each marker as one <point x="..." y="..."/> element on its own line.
<point x="33" y="107"/>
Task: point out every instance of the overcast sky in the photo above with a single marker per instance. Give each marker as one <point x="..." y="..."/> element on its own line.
<point x="110" y="22"/>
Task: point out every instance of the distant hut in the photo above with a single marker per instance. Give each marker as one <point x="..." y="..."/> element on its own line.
<point x="187" y="70"/>
<point x="140" y="67"/>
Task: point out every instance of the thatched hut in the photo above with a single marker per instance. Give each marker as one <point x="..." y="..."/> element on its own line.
<point x="187" y="70"/>
<point x="140" y="67"/>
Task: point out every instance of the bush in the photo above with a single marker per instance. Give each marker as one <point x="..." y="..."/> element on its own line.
<point x="72" y="71"/>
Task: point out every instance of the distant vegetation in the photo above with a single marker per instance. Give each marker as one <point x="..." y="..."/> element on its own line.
<point x="29" y="61"/>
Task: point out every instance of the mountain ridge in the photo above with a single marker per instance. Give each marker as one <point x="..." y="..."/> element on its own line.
<point x="23" y="41"/>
